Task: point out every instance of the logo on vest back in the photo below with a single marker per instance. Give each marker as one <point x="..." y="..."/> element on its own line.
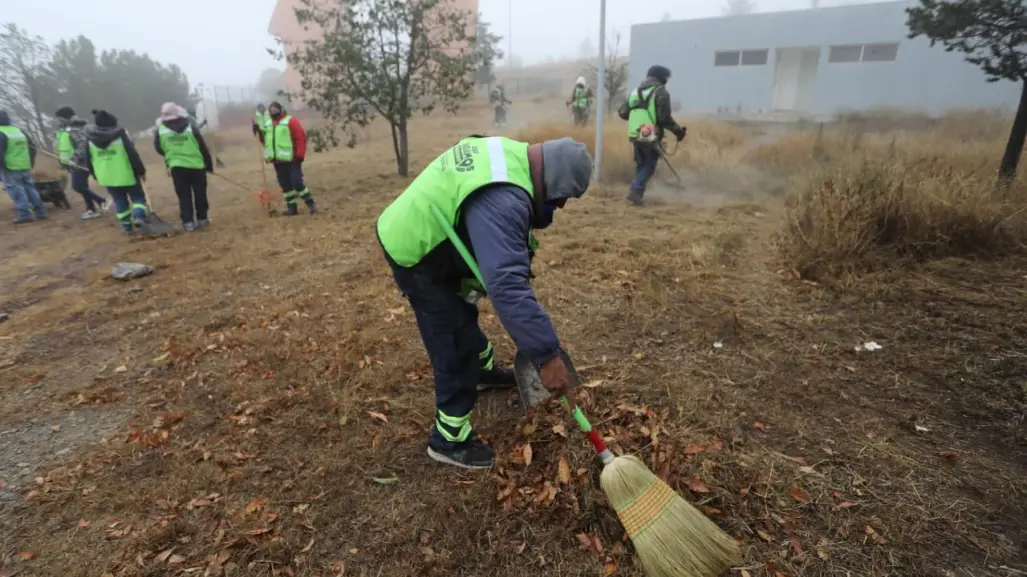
<point x="463" y="157"/>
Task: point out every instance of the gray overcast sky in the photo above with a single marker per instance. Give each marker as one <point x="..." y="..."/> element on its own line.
<point x="224" y="41"/>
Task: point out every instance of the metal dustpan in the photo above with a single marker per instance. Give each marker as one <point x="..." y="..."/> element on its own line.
<point x="529" y="381"/>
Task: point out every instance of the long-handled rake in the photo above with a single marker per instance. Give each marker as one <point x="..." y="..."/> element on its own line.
<point x="263" y="195"/>
<point x="672" y="538"/>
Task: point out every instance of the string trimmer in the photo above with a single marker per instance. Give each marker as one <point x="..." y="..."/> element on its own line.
<point x="664" y="154"/>
<point x="672" y="538"/>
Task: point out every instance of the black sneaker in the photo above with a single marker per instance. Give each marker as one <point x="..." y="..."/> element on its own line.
<point x="291" y="210"/>
<point x="635" y="198"/>
<point x="471" y="454"/>
<point x="496" y="379"/>
<point x="312" y="207"/>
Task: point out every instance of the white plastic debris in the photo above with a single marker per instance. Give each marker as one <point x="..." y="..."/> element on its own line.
<point x="718" y="345"/>
<point x="869" y="346"/>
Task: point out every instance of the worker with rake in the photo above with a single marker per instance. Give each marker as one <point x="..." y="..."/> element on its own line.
<point x="72" y="147"/>
<point x="648" y="112"/>
<point x="186" y="155"/>
<point x="261" y="122"/>
<point x="115" y="163"/>
<point x="285" y="145"/>
<point x="490" y="192"/>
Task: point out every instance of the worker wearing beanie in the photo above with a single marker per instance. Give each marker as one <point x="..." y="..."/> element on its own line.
<point x="648" y="112"/>
<point x="72" y="148"/>
<point x="115" y="163"/>
<point x="285" y="145"/>
<point x="185" y="153"/>
<point x="492" y="192"/>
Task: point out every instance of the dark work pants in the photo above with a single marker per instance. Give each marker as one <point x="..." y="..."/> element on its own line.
<point x="646" y="158"/>
<point x="191" y="188"/>
<point x="290" y="178"/>
<point x="80" y="184"/>
<point x="451" y="335"/>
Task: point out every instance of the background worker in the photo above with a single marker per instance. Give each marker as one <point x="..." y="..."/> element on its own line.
<point x="648" y="112"/>
<point x="17" y="157"/>
<point x="261" y="122"/>
<point x="186" y="155"/>
<point x="115" y="163"/>
<point x="72" y="147"/>
<point x="285" y="146"/>
<point x="580" y="101"/>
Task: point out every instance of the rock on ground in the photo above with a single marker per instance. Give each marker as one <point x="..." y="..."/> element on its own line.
<point x="130" y="270"/>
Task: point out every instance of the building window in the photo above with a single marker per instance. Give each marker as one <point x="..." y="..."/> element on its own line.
<point x="740" y="58"/>
<point x="880" y="52"/>
<point x="845" y="54"/>
<point x="852" y="53"/>
<point x="754" y="57"/>
<point x="727" y="58"/>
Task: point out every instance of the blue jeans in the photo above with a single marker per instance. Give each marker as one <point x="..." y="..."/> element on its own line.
<point x="130" y="204"/>
<point x="646" y="158"/>
<point x="22" y="190"/>
<point x="80" y="184"/>
<point x="451" y="335"/>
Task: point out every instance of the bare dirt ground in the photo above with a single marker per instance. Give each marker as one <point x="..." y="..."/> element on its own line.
<point x="259" y="405"/>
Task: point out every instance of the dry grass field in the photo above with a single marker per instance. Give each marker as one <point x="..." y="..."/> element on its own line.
<point x="259" y="405"/>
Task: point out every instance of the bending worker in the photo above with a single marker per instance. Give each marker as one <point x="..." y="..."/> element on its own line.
<point x="492" y="192"/>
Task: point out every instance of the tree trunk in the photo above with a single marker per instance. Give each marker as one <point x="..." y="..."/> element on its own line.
<point x="394" y="128"/>
<point x="1017" y="134"/>
<point x="404" y="154"/>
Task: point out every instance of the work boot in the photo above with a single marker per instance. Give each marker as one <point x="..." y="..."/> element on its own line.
<point x="24" y="220"/>
<point x="291" y="209"/>
<point x="635" y="197"/>
<point x="471" y="454"/>
<point x="496" y="379"/>
<point x="310" y="205"/>
<point x="203" y="223"/>
<point x="189" y="226"/>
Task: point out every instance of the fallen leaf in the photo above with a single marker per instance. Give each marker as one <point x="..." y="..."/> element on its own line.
<point x="378" y="416"/>
<point x="309" y="546"/>
<point x="796" y="545"/>
<point x="176" y="559"/>
<point x="258" y="531"/>
<point x="591" y="543"/>
<point x="121" y="369"/>
<point x="764" y="535"/>
<point x="798" y="460"/>
<point x="83" y="523"/>
<point x="712" y="511"/>
<point x="847" y="504"/>
<point x="696" y="485"/>
<point x="163" y="555"/>
<point x="3" y="484"/>
<point x="376" y="440"/>
<point x="592" y="384"/>
<point x="760" y="426"/>
<point x="26" y="555"/>
<point x="560" y="430"/>
<point x="527" y="454"/>
<point x="298" y="509"/>
<point x="746" y="573"/>
<point x="610" y="568"/>
<point x="877" y="538"/>
<point x="354" y="550"/>
<point x="799" y="495"/>
<point x="522" y="547"/>
<point x="256" y="505"/>
<point x="695" y="449"/>
<point x="564" y="471"/>
<point x="386" y="480"/>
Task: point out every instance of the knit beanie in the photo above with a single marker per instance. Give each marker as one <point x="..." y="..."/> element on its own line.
<point x="104" y="119"/>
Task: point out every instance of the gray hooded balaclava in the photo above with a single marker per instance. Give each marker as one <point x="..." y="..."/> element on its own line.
<point x="567" y="169"/>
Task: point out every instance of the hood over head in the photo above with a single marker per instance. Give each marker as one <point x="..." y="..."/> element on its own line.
<point x="566" y="169"/>
<point x="661" y="73"/>
<point x="275" y="105"/>
<point x="580" y="81"/>
<point x="171" y="111"/>
<point x="106" y="129"/>
<point x="5" y="119"/>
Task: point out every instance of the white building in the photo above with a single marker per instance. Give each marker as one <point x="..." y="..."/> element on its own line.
<point x="815" y="61"/>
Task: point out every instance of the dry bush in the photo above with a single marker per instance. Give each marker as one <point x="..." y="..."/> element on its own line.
<point x="706" y="142"/>
<point x="864" y="213"/>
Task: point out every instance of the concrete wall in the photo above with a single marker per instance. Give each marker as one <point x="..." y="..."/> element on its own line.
<point x="921" y="77"/>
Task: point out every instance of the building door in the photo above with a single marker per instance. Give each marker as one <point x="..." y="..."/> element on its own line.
<point x="795" y="75"/>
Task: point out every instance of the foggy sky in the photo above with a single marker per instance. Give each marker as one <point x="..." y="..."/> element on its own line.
<point x="224" y="41"/>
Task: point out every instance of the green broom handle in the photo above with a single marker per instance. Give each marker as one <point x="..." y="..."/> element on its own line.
<point x="575" y="410"/>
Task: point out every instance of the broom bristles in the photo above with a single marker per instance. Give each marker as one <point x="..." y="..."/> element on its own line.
<point x="672" y="538"/>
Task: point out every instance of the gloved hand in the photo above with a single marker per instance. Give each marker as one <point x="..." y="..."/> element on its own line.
<point x="555" y="377"/>
<point x="680" y="134"/>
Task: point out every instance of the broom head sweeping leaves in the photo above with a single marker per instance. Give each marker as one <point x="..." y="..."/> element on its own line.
<point x="672" y="538"/>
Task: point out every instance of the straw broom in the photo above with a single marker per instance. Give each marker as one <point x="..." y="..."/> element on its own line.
<point x="672" y="538"/>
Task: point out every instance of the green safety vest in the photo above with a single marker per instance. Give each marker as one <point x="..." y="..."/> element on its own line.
<point x="641" y="115"/>
<point x="17" y="156"/>
<point x="65" y="147"/>
<point x="580" y="97"/>
<point x="408" y="229"/>
<point x="181" y="149"/>
<point x="111" y="165"/>
<point x="279" y="146"/>
<point x="262" y="120"/>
